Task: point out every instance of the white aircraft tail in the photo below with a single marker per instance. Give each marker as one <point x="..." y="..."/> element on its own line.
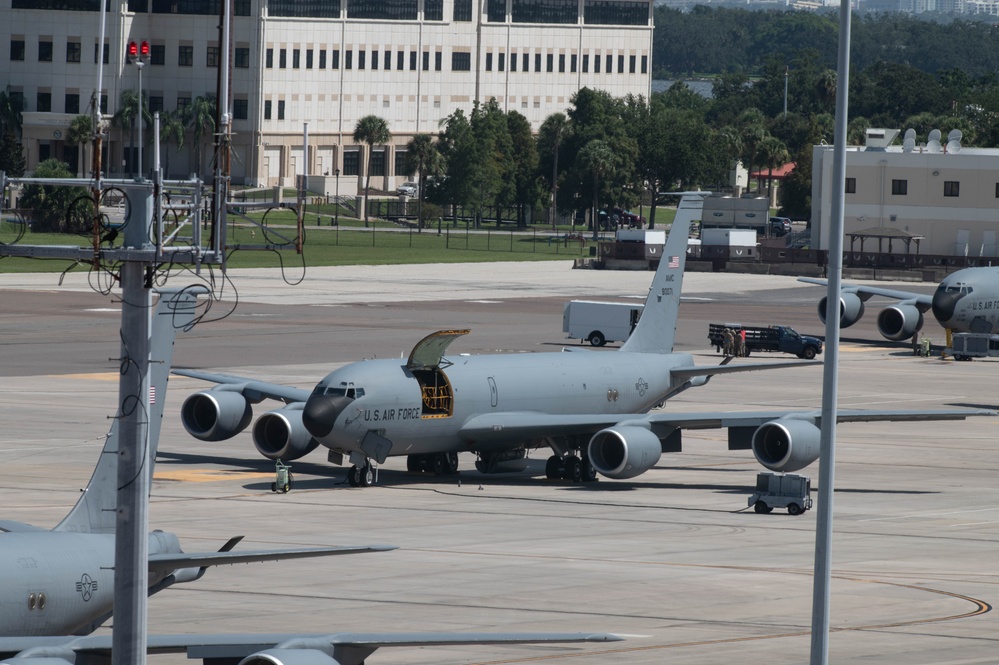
<point x="95" y="510"/>
<point x="656" y="329"/>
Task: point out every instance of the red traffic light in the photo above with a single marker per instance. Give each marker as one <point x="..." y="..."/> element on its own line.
<point x="133" y="50"/>
<point x="144" y="49"/>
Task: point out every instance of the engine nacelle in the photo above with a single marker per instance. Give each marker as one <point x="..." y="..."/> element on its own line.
<point x="899" y="322"/>
<point x="851" y="308"/>
<point x="215" y="415"/>
<point x="279" y="656"/>
<point x="281" y="435"/>
<point x="624" y="452"/>
<point x="786" y="444"/>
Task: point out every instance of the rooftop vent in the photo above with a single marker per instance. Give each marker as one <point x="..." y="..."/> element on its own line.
<point x="879" y="139"/>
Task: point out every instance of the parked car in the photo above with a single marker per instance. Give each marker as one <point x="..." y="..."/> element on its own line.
<point x="410" y="188"/>
<point x="780" y="226"/>
<point x="629" y="219"/>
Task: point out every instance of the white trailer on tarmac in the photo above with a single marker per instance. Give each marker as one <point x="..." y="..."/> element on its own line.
<point x="782" y="490"/>
<point x="600" y="322"/>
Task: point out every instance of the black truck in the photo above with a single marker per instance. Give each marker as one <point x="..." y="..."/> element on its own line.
<point x="767" y="338"/>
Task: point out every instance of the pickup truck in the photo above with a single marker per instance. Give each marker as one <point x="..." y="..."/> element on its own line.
<point x="767" y="338"/>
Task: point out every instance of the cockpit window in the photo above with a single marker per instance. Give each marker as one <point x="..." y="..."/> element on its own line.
<point x="351" y="392"/>
<point x="960" y="287"/>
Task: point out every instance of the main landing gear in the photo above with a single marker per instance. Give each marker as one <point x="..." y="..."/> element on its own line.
<point x="361" y="476"/>
<point x="571" y="468"/>
<point x="440" y="464"/>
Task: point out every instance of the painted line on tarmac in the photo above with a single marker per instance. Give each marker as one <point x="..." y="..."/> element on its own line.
<point x="208" y="475"/>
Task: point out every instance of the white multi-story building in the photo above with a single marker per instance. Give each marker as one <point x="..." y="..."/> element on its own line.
<point x="327" y="63"/>
<point x="939" y="191"/>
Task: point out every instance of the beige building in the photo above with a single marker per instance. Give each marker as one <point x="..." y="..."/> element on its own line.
<point x="322" y="62"/>
<point x="939" y="190"/>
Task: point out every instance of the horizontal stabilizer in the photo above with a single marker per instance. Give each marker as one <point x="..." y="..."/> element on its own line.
<point x="171" y="561"/>
<point x="711" y="370"/>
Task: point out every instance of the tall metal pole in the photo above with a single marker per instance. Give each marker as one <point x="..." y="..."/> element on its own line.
<point x="785" y="92"/>
<point x="140" y="65"/>
<point x="336" y="209"/>
<point x="830" y="371"/>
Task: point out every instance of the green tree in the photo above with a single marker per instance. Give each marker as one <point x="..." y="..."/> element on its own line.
<point x="597" y="159"/>
<point x="12" y="160"/>
<point x="457" y="145"/>
<point x="81" y="132"/>
<point x="11" y="106"/>
<point x="370" y="130"/>
<point x="128" y="112"/>
<point x="172" y="130"/>
<point x="199" y="115"/>
<point x="49" y="205"/>
<point x="423" y="158"/>
<point x="752" y="131"/>
<point x="551" y="135"/>
<point x="772" y="154"/>
<point x="527" y="191"/>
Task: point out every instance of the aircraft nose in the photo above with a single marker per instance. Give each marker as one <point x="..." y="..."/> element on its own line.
<point x="944" y="304"/>
<point x="321" y="411"/>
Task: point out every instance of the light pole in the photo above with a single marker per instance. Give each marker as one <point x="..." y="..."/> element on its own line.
<point x="336" y="202"/>
<point x="138" y="54"/>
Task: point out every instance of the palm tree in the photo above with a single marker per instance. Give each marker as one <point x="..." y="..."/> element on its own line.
<point x="773" y="154"/>
<point x="423" y="157"/>
<point x="597" y="158"/>
<point x="11" y="105"/>
<point x="752" y="130"/>
<point x="172" y="130"/>
<point x="127" y="112"/>
<point x="200" y="116"/>
<point x="372" y="131"/>
<point x="554" y="129"/>
<point x="81" y="132"/>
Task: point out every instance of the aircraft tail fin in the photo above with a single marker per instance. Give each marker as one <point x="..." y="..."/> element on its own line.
<point x="656" y="328"/>
<point x="94" y="511"/>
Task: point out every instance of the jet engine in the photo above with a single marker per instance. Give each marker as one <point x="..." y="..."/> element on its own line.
<point x="215" y="415"/>
<point x="624" y="452"/>
<point x="279" y="656"/>
<point x="851" y="308"/>
<point x="786" y="444"/>
<point x="281" y="435"/>
<point x="899" y="321"/>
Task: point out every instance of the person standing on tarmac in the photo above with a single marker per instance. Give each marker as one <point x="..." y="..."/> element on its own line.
<point x="727" y="340"/>
<point x="742" y="343"/>
<point x="915" y="343"/>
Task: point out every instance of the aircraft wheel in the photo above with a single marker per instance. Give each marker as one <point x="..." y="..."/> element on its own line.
<point x="573" y="469"/>
<point x="452" y="463"/>
<point x="553" y="468"/>
<point x="438" y="463"/>
<point x="597" y="338"/>
<point x="762" y="508"/>
<point x="589" y="473"/>
<point x="793" y="509"/>
<point x="366" y="476"/>
<point x="354" y="477"/>
<point x="414" y="463"/>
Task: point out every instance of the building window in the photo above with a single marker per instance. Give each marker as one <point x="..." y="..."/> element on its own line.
<point x="73" y="51"/>
<point x="185" y="56"/>
<point x="351" y="162"/>
<point x="614" y="12"/>
<point x="269" y="58"/>
<point x="72" y="103"/>
<point x="997" y="190"/>
<point x="426" y="61"/>
<point x="400" y="162"/>
<point x="397" y="10"/>
<point x="462" y="62"/>
<point x="374" y="59"/>
<point x="952" y="188"/>
<point x="501" y="62"/>
<point x="387" y="60"/>
<point x="547" y="11"/>
<point x="632" y="64"/>
<point x="308" y="59"/>
<point x="104" y="104"/>
<point x="296" y="58"/>
<point x="561" y="63"/>
<point x="155" y="103"/>
<point x="537" y="63"/>
<point x="851" y="185"/>
<point x="496" y="11"/>
<point x="296" y="8"/>
<point x="335" y="59"/>
<point x="489" y="62"/>
<point x="241" y="58"/>
<point x="439" y="61"/>
<point x="378" y="162"/>
<point x="645" y="64"/>
<point x="267" y="109"/>
<point x="43" y="102"/>
<point x="348" y="59"/>
<point x="433" y="10"/>
<point x="572" y="62"/>
<point x="183" y="103"/>
<point x="157" y="54"/>
<point x="586" y="63"/>
<point x="240" y="109"/>
<point x="280" y="109"/>
<point x="900" y="187"/>
<point x="44" y="51"/>
<point x="596" y="63"/>
<point x="322" y="58"/>
<point x="361" y="57"/>
<point x="620" y="64"/>
<point x="609" y="64"/>
<point x="513" y="62"/>
<point x="462" y="10"/>
<point x="283" y="58"/>
<point x="212" y="56"/>
<point x="551" y="62"/>
<point x="17" y="50"/>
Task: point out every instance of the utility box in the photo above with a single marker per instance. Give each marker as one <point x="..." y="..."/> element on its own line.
<point x="782" y="490"/>
<point x="974" y="345"/>
<point x="600" y="322"/>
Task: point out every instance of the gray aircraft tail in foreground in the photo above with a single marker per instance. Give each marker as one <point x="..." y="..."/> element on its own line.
<point x="60" y="581"/>
<point x="593" y="409"/>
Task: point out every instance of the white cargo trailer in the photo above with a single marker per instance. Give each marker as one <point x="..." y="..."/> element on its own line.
<point x="600" y="322"/>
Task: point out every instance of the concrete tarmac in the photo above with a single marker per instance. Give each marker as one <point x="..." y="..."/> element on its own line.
<point x="673" y="558"/>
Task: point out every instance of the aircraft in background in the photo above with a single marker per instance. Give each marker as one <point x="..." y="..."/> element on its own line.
<point x="591" y="408"/>
<point x="965" y="301"/>
<point x="60" y="581"/>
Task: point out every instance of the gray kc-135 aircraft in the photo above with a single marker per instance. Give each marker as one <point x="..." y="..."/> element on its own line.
<point x="56" y="586"/>
<point x="965" y="301"/>
<point x="592" y="408"/>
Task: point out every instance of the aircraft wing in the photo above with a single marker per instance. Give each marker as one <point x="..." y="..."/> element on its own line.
<point x="501" y="428"/>
<point x="924" y="301"/>
<point x="316" y="649"/>
<point x="174" y="561"/>
<point x="253" y="390"/>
